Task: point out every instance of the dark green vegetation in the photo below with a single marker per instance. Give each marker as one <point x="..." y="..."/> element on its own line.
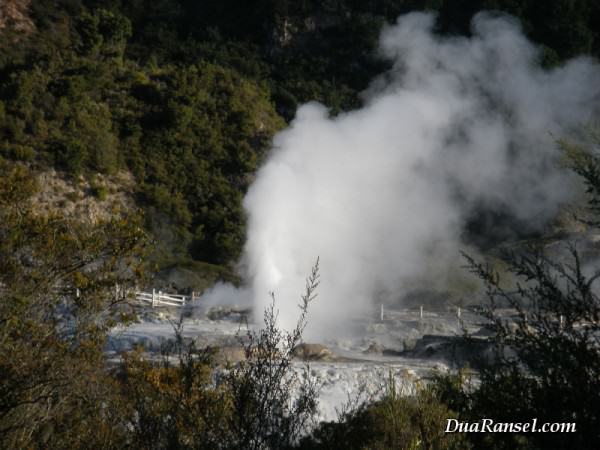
<point x="395" y="421"/>
<point x="191" y="133"/>
<point x="52" y="377"/>
<point x="186" y="95"/>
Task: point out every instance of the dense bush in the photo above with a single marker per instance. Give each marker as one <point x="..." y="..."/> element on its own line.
<point x="57" y="302"/>
<point x="397" y="420"/>
<point x="546" y="360"/>
<point x="179" y="92"/>
<point x="191" y="134"/>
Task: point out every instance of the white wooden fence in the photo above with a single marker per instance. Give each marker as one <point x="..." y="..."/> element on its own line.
<point x="154" y="298"/>
<point x="159" y="298"/>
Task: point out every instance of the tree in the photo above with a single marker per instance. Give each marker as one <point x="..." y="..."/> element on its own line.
<point x="262" y="402"/>
<point x="547" y="360"/>
<point x="397" y="420"/>
<point x="273" y="405"/>
<point x="545" y="363"/>
<point x="57" y="302"/>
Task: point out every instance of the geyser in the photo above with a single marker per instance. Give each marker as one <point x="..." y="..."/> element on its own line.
<point x="382" y="193"/>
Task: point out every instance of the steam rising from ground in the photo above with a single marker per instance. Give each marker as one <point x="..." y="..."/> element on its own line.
<point x="382" y="194"/>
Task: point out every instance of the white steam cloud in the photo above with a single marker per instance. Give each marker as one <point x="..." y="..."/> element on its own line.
<point x="382" y="194"/>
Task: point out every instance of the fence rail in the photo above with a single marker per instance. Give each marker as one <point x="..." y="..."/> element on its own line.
<point x="154" y="298"/>
<point x="159" y="298"/>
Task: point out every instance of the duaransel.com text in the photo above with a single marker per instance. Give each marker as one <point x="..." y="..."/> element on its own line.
<point x="489" y="426"/>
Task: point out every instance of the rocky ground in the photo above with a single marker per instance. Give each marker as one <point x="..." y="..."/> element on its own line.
<point x="402" y="344"/>
<point x="405" y="343"/>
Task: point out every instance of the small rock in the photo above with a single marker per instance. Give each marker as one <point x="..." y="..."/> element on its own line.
<point x="314" y="352"/>
<point x="374" y="348"/>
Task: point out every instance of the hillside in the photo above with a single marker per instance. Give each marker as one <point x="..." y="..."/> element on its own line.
<point x="185" y="96"/>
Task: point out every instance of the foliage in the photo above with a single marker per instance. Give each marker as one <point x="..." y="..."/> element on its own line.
<point x="57" y="305"/>
<point x="260" y="403"/>
<point x="180" y="92"/>
<point x="175" y="405"/>
<point x="57" y="302"/>
<point x="273" y="406"/>
<point x="191" y="135"/>
<point x="546" y="358"/>
<point x="398" y="420"/>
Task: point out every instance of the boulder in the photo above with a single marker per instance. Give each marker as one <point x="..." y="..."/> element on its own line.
<point x="374" y="348"/>
<point x="313" y="352"/>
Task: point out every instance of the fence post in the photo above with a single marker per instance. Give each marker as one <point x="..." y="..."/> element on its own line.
<point x="153" y="297"/>
<point x="421" y="312"/>
<point x="561" y="325"/>
<point x="382" y="312"/>
<point x="458" y="312"/>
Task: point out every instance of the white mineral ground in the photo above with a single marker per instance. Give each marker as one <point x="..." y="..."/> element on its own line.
<point x="360" y="360"/>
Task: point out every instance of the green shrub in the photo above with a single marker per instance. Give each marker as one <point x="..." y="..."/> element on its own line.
<point x="100" y="192"/>
<point x="55" y="391"/>
<point x="396" y="421"/>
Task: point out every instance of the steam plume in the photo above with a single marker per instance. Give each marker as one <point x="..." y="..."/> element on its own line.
<point x="382" y="194"/>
